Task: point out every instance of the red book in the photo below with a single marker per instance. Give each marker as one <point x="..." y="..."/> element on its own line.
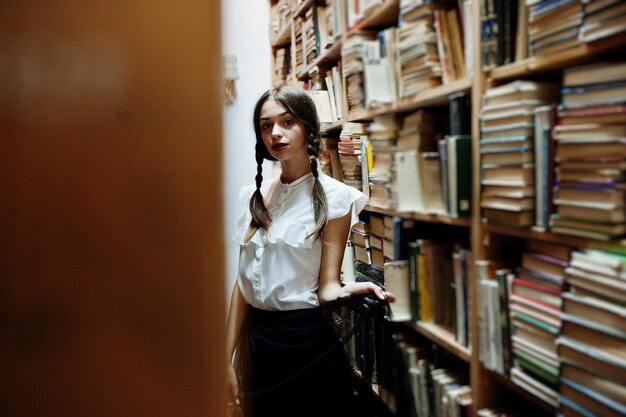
<point x="536" y="292"/>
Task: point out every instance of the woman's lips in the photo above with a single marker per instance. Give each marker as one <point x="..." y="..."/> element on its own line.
<point x="279" y="146"/>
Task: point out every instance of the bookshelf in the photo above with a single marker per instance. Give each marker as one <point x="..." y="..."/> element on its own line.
<point x="443" y="337"/>
<point x="487" y="239"/>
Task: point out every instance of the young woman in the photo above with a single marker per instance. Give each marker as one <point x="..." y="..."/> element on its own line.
<point x="288" y="359"/>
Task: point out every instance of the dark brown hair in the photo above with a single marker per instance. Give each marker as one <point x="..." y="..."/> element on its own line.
<point x="297" y="102"/>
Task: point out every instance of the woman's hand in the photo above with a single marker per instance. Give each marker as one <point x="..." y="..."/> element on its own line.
<point x="354" y="288"/>
<point x="232" y="389"/>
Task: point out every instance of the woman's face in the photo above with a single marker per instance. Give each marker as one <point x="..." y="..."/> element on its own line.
<point x="283" y="137"/>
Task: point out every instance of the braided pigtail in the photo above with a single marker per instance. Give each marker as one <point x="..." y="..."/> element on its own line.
<point x="260" y="215"/>
<point x="320" y="204"/>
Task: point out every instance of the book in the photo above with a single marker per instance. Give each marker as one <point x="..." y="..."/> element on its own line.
<point x="536" y="292"/>
<point x="460" y="113"/>
<point x="594" y="334"/>
<point x="589" y="357"/>
<point x="397" y="283"/>
<point x="586" y="377"/>
<point x="459" y="158"/>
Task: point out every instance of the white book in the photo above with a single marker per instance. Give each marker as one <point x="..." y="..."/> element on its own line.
<point x="410" y="196"/>
<point x="397" y="282"/>
<point x="331" y="96"/>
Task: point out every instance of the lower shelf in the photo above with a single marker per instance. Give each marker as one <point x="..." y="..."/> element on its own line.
<point x="522" y="392"/>
<point x="443" y="337"/>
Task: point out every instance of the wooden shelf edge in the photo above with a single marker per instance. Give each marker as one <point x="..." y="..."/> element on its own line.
<point x="306" y="5"/>
<point x="330" y="55"/>
<point x="521" y="391"/>
<point x="382" y="15"/>
<point x="283" y="38"/>
<point x="551" y="237"/>
<point x="331" y="127"/>
<point x="427" y="217"/>
<point x="557" y="61"/>
<point x="434" y="96"/>
<point x="442" y="337"/>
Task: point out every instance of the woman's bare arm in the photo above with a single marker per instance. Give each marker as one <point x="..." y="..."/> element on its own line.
<point x="236" y="315"/>
<point x="333" y="246"/>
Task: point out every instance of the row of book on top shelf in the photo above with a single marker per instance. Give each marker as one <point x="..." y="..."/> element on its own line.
<point x="427" y="48"/>
<point x="553" y="322"/>
<point x="426" y="272"/>
<point x="553" y="156"/>
<point x="515" y="29"/>
<point x="408" y="163"/>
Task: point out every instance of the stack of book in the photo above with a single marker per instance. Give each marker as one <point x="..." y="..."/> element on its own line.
<point x="506" y="146"/>
<point x="383" y="135"/>
<point x="534" y="314"/>
<point x="298" y="53"/>
<point x="280" y="14"/>
<point x="309" y="44"/>
<point x="389" y="228"/>
<point x="593" y="336"/>
<point x="330" y="161"/>
<point x="450" y="44"/>
<point x="349" y="149"/>
<point x="418" y="63"/>
<point x="379" y="69"/>
<point x="554" y="26"/>
<point x="591" y="153"/>
<point x="352" y="53"/>
<point x="377" y="234"/>
<point x="602" y="19"/>
<point x="360" y="238"/>
<point x="419" y="183"/>
<point x="282" y="66"/>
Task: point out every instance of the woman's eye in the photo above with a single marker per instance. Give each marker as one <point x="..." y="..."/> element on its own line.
<point x="288" y="122"/>
<point x="266" y="126"/>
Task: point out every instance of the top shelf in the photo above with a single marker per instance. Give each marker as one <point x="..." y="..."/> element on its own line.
<point x="558" y="61"/>
<point x="436" y="96"/>
<point x="383" y="15"/>
<point x="302" y="9"/>
<point x="284" y="37"/>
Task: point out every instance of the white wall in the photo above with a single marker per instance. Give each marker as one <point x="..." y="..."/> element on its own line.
<point x="245" y="33"/>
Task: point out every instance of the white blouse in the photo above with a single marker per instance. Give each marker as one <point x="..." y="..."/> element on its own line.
<point x="279" y="270"/>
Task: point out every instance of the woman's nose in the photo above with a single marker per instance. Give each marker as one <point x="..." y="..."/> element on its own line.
<point x="277" y="131"/>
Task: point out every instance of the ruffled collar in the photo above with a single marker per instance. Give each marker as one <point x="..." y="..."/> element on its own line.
<point x="295" y="183"/>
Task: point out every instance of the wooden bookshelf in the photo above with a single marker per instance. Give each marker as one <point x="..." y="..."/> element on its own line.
<point x="302" y="9"/>
<point x="560" y="60"/>
<point x="547" y="236"/>
<point x="383" y="15"/>
<point x="443" y="337"/>
<point x="486" y="384"/>
<point x="331" y="127"/>
<point x="436" y="96"/>
<point x="425" y="217"/>
<point x="329" y="57"/>
<point x="284" y="37"/>
<point x="501" y="379"/>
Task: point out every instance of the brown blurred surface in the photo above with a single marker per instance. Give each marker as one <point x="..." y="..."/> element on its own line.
<point x="111" y="262"/>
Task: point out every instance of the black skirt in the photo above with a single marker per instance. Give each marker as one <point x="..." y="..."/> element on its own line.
<point x="292" y="363"/>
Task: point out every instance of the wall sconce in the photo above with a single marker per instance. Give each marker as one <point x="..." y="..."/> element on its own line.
<point x="230" y="76"/>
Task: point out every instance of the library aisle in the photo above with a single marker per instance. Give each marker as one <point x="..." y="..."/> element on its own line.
<point x="490" y="138"/>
